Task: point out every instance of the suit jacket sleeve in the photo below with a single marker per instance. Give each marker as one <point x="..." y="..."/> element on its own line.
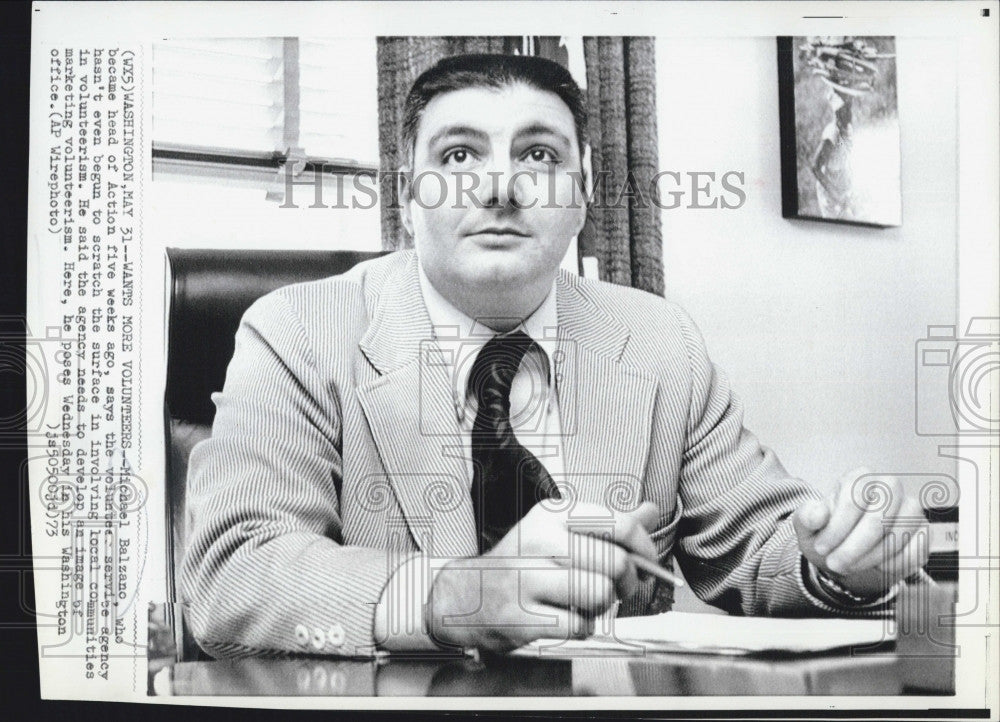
<point x="265" y="570"/>
<point x="737" y="546"/>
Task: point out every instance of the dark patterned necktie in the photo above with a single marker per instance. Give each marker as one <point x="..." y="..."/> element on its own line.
<point x="507" y="478"/>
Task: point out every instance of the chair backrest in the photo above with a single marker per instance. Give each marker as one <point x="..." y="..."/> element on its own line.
<point x="209" y="291"/>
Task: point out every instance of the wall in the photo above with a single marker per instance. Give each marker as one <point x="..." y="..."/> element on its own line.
<point x="208" y="213"/>
<point x="815" y="323"/>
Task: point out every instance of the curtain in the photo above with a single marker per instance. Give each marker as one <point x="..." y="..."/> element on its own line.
<point x="623" y="224"/>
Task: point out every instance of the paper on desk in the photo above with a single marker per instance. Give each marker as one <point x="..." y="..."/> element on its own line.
<point x="720" y="634"/>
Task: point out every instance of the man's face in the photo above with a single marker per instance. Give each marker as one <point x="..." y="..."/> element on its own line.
<point x="495" y="196"/>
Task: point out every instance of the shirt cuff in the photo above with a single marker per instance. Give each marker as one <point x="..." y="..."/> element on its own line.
<point x="829" y="601"/>
<point x="400" y="622"/>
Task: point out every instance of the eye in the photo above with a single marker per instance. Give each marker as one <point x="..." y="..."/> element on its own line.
<point x="542" y="155"/>
<point x="457" y="156"/>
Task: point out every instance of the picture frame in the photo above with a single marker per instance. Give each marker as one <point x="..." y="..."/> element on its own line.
<point x="839" y="124"/>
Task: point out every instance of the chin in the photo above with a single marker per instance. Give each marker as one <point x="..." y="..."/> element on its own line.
<point x="501" y="270"/>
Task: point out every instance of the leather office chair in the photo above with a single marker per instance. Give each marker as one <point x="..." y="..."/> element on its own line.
<point x="209" y="291"/>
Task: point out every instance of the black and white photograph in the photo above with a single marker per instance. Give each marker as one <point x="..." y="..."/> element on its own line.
<point x="398" y="355"/>
<point x="842" y="93"/>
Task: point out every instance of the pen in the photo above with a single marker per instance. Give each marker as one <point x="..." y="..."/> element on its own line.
<point x="656" y="570"/>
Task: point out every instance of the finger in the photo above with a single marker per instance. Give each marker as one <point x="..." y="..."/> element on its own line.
<point x="623" y="528"/>
<point x="538" y="621"/>
<point x="808" y="520"/>
<point x="893" y="541"/>
<point x="896" y="537"/>
<point x="901" y="544"/>
<point x="866" y="537"/>
<point x="912" y="559"/>
<point x="595" y="555"/>
<point x="569" y="624"/>
<point x="586" y="592"/>
<point x="647" y="514"/>
<point x="906" y="562"/>
<point x="542" y="532"/>
<point x="844" y="513"/>
<point x="869" y="530"/>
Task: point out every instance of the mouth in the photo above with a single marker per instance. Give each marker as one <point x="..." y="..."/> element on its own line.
<point x="498" y="237"/>
<point x="499" y="232"/>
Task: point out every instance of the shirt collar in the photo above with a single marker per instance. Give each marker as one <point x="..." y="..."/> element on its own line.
<point x="452" y="326"/>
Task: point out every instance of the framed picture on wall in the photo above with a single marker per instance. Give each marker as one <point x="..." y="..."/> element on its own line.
<point x="840" y="158"/>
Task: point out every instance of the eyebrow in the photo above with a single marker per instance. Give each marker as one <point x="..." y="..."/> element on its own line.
<point x="466" y="130"/>
<point x="542" y="129"/>
<point x="451" y="130"/>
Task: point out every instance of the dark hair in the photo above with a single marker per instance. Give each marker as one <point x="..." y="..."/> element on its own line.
<point x="490" y="71"/>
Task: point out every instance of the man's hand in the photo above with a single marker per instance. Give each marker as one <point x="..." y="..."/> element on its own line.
<point x="866" y="536"/>
<point x="548" y="577"/>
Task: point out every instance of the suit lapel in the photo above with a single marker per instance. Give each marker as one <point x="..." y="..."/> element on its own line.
<point x="605" y="406"/>
<point x="605" y="409"/>
<point x="412" y="419"/>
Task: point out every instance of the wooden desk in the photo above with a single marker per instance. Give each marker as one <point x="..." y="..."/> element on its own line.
<point x="668" y="674"/>
<point x="921" y="662"/>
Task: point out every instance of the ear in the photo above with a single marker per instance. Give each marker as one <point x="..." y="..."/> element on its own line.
<point x="404" y="191"/>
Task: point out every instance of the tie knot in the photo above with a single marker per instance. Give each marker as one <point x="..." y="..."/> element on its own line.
<point x="494" y="369"/>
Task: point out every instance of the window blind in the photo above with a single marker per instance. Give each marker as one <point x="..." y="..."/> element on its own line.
<point x="338" y="87"/>
<point x="227" y="95"/>
<point x="219" y="94"/>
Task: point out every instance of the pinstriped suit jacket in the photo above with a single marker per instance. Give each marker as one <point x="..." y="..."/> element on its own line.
<point x="336" y="454"/>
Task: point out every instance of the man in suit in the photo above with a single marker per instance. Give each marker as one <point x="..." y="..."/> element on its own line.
<point x="463" y="447"/>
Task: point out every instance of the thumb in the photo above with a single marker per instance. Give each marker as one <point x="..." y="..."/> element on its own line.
<point x="810" y="518"/>
<point x="648" y="514"/>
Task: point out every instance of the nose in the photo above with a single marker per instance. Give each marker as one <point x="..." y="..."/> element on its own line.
<point x="498" y="188"/>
